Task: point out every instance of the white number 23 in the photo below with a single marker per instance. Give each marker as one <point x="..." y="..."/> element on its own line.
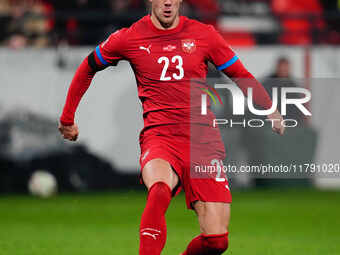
<point x="175" y="60"/>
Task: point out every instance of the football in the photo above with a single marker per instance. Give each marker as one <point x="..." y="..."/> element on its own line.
<point x="42" y="184"/>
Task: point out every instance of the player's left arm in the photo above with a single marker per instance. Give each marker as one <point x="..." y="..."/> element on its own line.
<point x="244" y="79"/>
<point x="228" y="62"/>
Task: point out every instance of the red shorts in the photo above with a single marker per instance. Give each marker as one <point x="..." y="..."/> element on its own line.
<point x="196" y="164"/>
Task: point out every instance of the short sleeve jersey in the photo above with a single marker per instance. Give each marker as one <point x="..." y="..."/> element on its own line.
<point x="165" y="62"/>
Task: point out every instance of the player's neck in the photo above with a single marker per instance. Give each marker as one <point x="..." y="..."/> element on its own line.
<point x="161" y="26"/>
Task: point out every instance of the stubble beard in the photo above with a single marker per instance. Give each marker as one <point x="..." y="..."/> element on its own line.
<point x="166" y="24"/>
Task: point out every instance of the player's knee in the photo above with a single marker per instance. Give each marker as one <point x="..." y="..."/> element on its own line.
<point x="216" y="244"/>
<point x="159" y="170"/>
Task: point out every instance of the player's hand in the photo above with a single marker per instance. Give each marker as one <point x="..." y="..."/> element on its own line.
<point x="69" y="132"/>
<point x="276" y="120"/>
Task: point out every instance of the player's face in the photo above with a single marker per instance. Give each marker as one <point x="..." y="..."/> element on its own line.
<point x="166" y="11"/>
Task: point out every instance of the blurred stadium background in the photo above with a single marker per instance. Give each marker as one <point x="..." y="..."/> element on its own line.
<point x="41" y="44"/>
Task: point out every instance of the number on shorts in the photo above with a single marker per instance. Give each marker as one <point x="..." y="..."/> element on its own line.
<point x="219" y="166"/>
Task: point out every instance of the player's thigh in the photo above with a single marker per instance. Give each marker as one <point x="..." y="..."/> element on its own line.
<point x="159" y="170"/>
<point x="213" y="217"/>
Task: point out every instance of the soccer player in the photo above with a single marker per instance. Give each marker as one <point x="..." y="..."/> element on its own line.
<point x="166" y="51"/>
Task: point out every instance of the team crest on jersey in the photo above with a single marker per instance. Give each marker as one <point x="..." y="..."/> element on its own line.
<point x="189" y="45"/>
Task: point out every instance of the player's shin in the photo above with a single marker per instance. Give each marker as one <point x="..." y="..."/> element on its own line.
<point x="153" y="225"/>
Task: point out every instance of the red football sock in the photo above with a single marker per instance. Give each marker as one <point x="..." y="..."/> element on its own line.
<point x="195" y="247"/>
<point x="208" y="245"/>
<point x="153" y="226"/>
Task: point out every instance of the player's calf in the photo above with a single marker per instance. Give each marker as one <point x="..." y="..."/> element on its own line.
<point x="214" y="220"/>
<point x="213" y="217"/>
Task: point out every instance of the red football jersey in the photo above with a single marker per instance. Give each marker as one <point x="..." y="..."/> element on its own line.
<point x="165" y="62"/>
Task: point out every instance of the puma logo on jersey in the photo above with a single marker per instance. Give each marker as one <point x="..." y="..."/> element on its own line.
<point x="148" y="49"/>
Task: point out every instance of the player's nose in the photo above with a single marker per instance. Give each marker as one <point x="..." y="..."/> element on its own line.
<point x="167" y="3"/>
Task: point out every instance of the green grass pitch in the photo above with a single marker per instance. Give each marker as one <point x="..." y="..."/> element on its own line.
<point x="294" y="222"/>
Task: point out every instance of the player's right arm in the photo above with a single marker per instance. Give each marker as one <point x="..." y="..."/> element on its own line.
<point x="106" y="54"/>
